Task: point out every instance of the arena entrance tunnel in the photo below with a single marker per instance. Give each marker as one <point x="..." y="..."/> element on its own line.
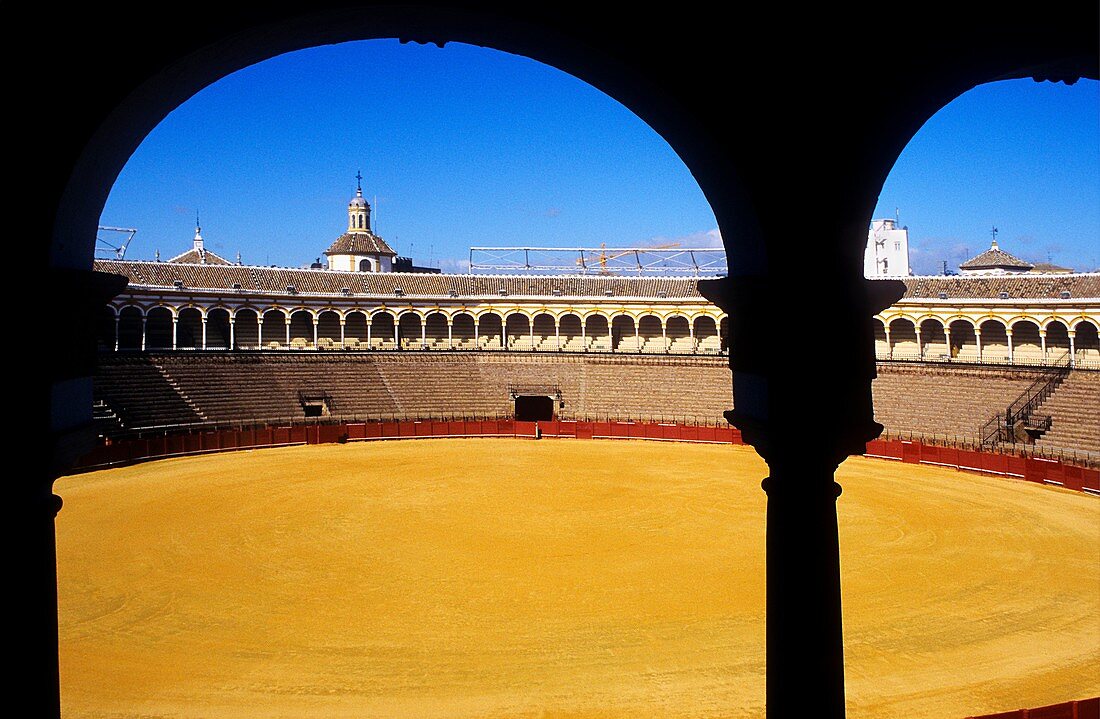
<point x="749" y="164"/>
<point x="534" y="408"/>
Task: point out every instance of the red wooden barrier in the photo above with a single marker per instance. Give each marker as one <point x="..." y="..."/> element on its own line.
<point x="910" y="452"/>
<point x="567" y="428"/>
<point x="585" y="430"/>
<point x="1090" y="478"/>
<point x="653" y="431"/>
<point x="1053" y="711"/>
<point x="601" y="429"/>
<point x="708" y="434"/>
<point x="522" y="428"/>
<point x="724" y="434"/>
<point x="1088" y="708"/>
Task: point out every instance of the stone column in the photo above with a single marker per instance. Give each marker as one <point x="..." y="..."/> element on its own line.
<point x="397" y="332"/>
<point x="314" y="331"/>
<point x="532" y="320"/>
<point x="610" y="335"/>
<point x="1043" y="344"/>
<point x="477" y="333"/>
<point x="978" y="341"/>
<point x="343" y="322"/>
<point x="116" y="333"/>
<point x="691" y="334"/>
<point x="557" y="334"/>
<point x="637" y="344"/>
<point x="1072" y="349"/>
<point x="450" y="334"/>
<point x="204" y="332"/>
<point x="584" y="340"/>
<point x="664" y="337"/>
<point x="144" y="320"/>
<point x="920" y="348"/>
<point x="232" y="335"/>
<point x="175" y="325"/>
<point x="1008" y="334"/>
<point x="947" y="339"/>
<point x="423" y="332"/>
<point x="260" y="330"/>
<point x="889" y="345"/>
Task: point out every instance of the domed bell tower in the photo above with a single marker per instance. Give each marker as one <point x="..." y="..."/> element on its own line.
<point x="358" y="209"/>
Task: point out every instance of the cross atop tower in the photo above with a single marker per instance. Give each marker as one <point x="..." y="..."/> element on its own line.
<point x="359" y="180"/>
<point x="994" y="233"/>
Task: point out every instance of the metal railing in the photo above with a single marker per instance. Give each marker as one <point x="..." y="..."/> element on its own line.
<point x="1001" y="426"/>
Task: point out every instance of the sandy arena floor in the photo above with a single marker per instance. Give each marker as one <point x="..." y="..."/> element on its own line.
<point x="557" y="579"/>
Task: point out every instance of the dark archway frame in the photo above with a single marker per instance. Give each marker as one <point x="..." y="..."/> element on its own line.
<point x="772" y="114"/>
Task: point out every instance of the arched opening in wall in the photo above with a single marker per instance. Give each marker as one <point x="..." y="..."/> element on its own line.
<point x="189" y="329"/>
<point x="274" y="330"/>
<point x="963" y="341"/>
<point x="1057" y="342"/>
<point x="994" y="342"/>
<point x="353" y="334"/>
<point x="882" y="347"/>
<point x="624" y="337"/>
<point x="597" y="334"/>
<point x="903" y="340"/>
<point x="490" y="330"/>
<point x="678" y="330"/>
<point x="517" y="329"/>
<point x="1027" y="347"/>
<point x="1086" y="345"/>
<point x="462" y="331"/>
<point x="544" y="338"/>
<point x="130" y="328"/>
<point x="706" y="335"/>
<point x="246" y="329"/>
<point x="158" y="329"/>
<point x="105" y="335"/>
<point x="651" y="334"/>
<point x="435" y="329"/>
<point x="301" y="330"/>
<point x="383" y="331"/>
<point x="365" y="266"/>
<point x="217" y="329"/>
<point x="410" y="331"/>
<point x="328" y="330"/>
<point x="569" y="329"/>
<point x="933" y="340"/>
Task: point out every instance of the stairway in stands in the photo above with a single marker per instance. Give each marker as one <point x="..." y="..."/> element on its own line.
<point x="1074" y="409"/>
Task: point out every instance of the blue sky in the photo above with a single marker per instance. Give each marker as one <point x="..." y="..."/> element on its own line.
<point x="463" y="146"/>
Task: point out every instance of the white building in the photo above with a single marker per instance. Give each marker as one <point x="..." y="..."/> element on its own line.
<point x="887" y="253"/>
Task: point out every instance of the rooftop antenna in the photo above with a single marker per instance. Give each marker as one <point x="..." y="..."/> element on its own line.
<point x="897" y="215"/>
<point x="374" y="217"/>
<point x="108" y="248"/>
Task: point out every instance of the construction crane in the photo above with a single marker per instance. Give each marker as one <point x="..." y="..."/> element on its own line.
<point x="603" y="257"/>
<point x="119" y="251"/>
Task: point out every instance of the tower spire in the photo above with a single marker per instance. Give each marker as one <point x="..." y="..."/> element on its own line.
<point x="198" y="236"/>
<point x="358" y="208"/>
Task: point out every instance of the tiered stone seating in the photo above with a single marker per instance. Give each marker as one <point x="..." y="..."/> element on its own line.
<point x="1074" y="408"/>
<point x="946" y="401"/>
<point x="139" y="394"/>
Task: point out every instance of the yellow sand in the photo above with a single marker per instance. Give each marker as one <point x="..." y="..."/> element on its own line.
<point x="511" y="578"/>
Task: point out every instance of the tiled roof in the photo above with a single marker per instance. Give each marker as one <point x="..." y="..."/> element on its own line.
<point x="360" y="243"/>
<point x="193" y="257"/>
<point x="1023" y="286"/>
<point x="994" y="258"/>
<point x="275" y="280"/>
